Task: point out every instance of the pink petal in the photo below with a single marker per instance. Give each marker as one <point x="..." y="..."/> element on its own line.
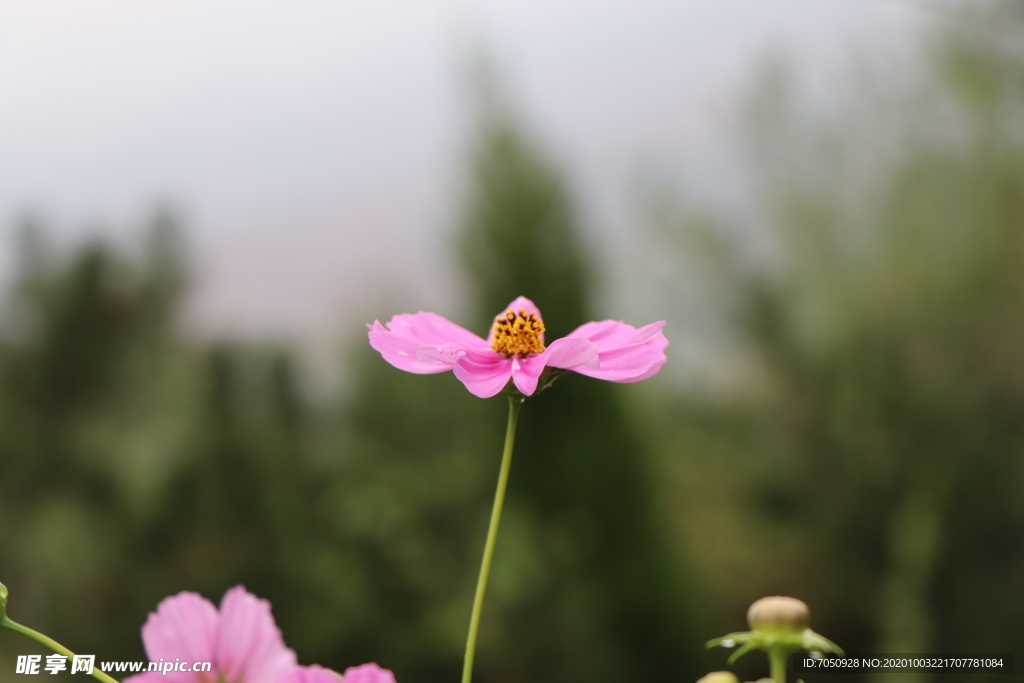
<point x="526" y="373"/>
<point x="483" y="371"/>
<point x="563" y="353"/>
<point x="408" y="333"/>
<point x="570" y="353"/>
<point x="448" y="354"/>
<point x="184" y="627"/>
<point x="249" y="644"/>
<point x="368" y="673"/>
<point x="626" y="353"/>
<point x="611" y="333"/>
<point x="310" y="674"/>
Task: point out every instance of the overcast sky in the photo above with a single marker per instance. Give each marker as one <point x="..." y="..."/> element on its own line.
<point x="314" y="147"/>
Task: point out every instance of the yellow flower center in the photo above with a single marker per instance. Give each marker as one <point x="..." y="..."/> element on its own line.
<point x="517" y="333"/>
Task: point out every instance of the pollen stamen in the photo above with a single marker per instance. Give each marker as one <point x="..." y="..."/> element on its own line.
<point x="517" y="333"/>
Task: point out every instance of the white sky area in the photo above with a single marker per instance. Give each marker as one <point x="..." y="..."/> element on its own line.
<point x="315" y="147"/>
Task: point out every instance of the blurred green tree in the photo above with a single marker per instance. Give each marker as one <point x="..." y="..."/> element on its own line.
<point x="94" y="411"/>
<point x="880" y="435"/>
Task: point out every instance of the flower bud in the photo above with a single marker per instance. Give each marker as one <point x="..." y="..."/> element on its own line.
<point x="720" y="677"/>
<point x="778" y="614"/>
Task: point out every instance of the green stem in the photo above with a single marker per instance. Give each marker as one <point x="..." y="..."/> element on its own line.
<point x="52" y="644"/>
<point x="777" y="655"/>
<point x="514" y="403"/>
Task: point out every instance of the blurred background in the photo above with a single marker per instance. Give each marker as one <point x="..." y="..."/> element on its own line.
<point x="204" y="202"/>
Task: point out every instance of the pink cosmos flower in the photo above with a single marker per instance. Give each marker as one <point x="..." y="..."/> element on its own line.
<point x="241" y="640"/>
<point x="426" y="343"/>
<point x="366" y="673"/>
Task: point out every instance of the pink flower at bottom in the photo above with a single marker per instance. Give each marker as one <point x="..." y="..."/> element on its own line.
<point x="365" y="673"/>
<point x="426" y="343"/>
<point x="241" y="640"/>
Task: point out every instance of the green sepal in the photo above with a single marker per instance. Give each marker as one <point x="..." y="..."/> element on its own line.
<point x="750" y="640"/>
<point x="750" y="645"/>
<point x="815" y="642"/>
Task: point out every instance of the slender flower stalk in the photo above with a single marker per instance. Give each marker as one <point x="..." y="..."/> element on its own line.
<point x="8" y="623"/>
<point x="514" y="403"/>
<point x="777" y="657"/>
